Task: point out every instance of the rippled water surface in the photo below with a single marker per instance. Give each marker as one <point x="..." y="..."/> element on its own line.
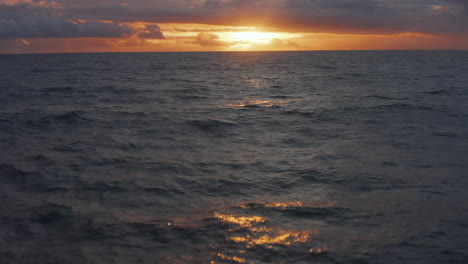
<point x="295" y="157"/>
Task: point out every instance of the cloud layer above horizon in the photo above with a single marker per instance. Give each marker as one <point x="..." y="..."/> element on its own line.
<point x="26" y="19"/>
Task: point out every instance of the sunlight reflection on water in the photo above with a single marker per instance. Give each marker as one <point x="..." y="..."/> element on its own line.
<point x="257" y="103"/>
<point x="251" y="233"/>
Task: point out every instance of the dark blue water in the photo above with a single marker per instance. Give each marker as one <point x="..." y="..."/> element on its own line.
<point x="294" y="157"/>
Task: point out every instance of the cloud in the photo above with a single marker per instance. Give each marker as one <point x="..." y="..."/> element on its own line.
<point x="440" y="10"/>
<point x="227" y="29"/>
<point x="150" y="31"/>
<point x="137" y="20"/>
<point x="283" y="43"/>
<point x="46" y="26"/>
<point x="209" y="39"/>
<point x="40" y="19"/>
<point x="57" y="27"/>
<point x="462" y="4"/>
<point x="328" y="16"/>
<point x="64" y="45"/>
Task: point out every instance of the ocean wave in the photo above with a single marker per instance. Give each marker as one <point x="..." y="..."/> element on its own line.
<point x="438" y="92"/>
<point x="66" y="118"/>
<point x="211" y="125"/>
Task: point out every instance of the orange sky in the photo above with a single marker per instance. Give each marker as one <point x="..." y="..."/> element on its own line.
<point x="28" y="26"/>
<point x="195" y="37"/>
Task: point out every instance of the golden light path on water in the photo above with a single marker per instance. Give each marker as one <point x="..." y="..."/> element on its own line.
<point x="251" y="231"/>
<point x="254" y="233"/>
<point x="257" y="103"/>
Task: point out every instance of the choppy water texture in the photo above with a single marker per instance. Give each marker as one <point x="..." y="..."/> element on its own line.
<point x="300" y="157"/>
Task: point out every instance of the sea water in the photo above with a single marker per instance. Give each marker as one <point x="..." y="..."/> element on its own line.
<point x="255" y="157"/>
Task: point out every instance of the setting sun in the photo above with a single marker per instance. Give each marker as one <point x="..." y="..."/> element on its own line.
<point x="253" y="37"/>
<point x="246" y="39"/>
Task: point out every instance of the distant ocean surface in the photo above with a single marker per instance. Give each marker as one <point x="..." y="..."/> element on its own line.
<point x="257" y="157"/>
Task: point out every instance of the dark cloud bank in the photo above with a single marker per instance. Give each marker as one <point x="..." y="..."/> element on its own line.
<point x="32" y="20"/>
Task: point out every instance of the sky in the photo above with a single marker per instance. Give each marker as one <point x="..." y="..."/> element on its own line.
<point x="48" y="26"/>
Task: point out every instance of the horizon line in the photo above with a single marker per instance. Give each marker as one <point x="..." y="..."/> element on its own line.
<point x="228" y="51"/>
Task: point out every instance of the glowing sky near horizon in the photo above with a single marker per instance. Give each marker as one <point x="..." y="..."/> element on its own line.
<point x="29" y="26"/>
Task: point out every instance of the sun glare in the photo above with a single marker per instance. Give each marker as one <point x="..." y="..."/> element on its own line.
<point x="252" y="37"/>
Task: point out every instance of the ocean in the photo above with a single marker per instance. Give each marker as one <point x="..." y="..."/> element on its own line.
<point x="244" y="157"/>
